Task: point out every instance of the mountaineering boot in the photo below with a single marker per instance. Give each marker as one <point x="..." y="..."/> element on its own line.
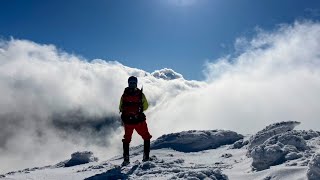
<point x="126" y="159"/>
<point x="146" y="150"/>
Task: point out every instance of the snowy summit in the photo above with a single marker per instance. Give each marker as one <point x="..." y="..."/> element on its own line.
<point x="276" y="152"/>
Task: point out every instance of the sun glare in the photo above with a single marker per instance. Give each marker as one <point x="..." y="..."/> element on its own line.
<point x="182" y="3"/>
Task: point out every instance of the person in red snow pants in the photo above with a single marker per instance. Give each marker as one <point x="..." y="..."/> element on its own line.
<point x="141" y="128"/>
<point x="132" y="104"/>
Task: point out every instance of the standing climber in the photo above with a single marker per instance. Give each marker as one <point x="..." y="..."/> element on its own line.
<point x="132" y="104"/>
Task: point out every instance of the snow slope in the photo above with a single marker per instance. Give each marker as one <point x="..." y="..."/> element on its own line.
<point x="216" y="154"/>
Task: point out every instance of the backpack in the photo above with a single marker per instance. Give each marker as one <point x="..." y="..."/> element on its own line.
<point x="132" y="109"/>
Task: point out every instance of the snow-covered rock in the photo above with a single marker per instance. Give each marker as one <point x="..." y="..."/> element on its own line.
<point x="306" y="135"/>
<point x="160" y="169"/>
<point x="292" y="156"/>
<point x="274" y="152"/>
<point x="289" y="148"/>
<point x="226" y="155"/>
<point x="239" y="144"/>
<point x="313" y="172"/>
<point x="265" y="156"/>
<point x="193" y="141"/>
<point x="278" y="143"/>
<point x="78" y="158"/>
<point x="198" y="155"/>
<point x="288" y="138"/>
<point x="269" y="131"/>
<point x="201" y="174"/>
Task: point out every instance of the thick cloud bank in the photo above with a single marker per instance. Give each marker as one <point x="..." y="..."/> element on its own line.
<point x="275" y="78"/>
<point x="52" y="100"/>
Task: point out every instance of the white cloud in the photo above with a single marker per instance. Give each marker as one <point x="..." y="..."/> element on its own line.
<point x="52" y="100"/>
<point x="276" y="78"/>
<point x="166" y="74"/>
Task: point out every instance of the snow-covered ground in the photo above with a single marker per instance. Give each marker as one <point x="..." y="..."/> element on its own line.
<point x="276" y="152"/>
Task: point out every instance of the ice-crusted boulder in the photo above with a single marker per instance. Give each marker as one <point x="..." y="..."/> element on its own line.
<point x="239" y="144"/>
<point x="306" y="135"/>
<point x="269" y="131"/>
<point x="264" y="156"/>
<point x="289" y="148"/>
<point x="292" y="156"/>
<point x="78" y="158"/>
<point x="277" y="150"/>
<point x="193" y="141"/>
<point x="279" y="147"/>
<point x="289" y="138"/>
<point x="313" y="172"/>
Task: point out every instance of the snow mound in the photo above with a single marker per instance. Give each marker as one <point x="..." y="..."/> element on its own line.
<point x="313" y="172"/>
<point x="78" y="158"/>
<point x="194" y="141"/>
<point x="282" y="147"/>
<point x="269" y="131"/>
<point x="160" y="169"/>
<point x="166" y="74"/>
<point x="114" y="173"/>
<point x="201" y="174"/>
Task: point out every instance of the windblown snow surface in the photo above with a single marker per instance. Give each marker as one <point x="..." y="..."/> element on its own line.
<point x="276" y="152"/>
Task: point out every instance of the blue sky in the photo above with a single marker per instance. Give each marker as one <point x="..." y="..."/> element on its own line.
<point x="149" y="34"/>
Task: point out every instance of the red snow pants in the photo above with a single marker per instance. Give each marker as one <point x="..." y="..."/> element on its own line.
<point x="141" y="128"/>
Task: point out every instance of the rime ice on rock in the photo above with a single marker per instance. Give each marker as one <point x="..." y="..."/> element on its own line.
<point x="285" y="149"/>
<point x="78" y="158"/>
<point x="292" y="156"/>
<point x="264" y="147"/>
<point x="269" y="131"/>
<point x="239" y="144"/>
<point x="278" y="143"/>
<point x="289" y="138"/>
<point x="265" y="156"/>
<point x="157" y="167"/>
<point x="201" y="174"/>
<point x="313" y="172"/>
<point x="193" y="141"/>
